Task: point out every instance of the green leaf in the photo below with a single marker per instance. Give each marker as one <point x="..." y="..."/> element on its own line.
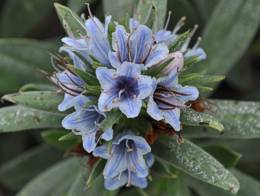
<point x="18" y="171"/>
<point x="52" y="138"/>
<point x="69" y="136"/>
<point x="78" y="5"/>
<point x="15" y="62"/>
<point x="144" y="10"/>
<point x="56" y="180"/>
<point x="224" y="154"/>
<point x="119" y="9"/>
<point x="37" y="87"/>
<point x="249" y="186"/>
<point x="18" y="118"/>
<point x="197" y="79"/>
<point x="232" y="27"/>
<point x="240" y="119"/>
<point x="111" y="118"/>
<point x="19" y="17"/>
<point x="43" y="100"/>
<point x="71" y="22"/>
<point x="196" y="162"/>
<point x="193" y="118"/>
<point x="95" y="172"/>
<point x="160" y="9"/>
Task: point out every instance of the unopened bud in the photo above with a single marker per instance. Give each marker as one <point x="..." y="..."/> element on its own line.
<point x="176" y="64"/>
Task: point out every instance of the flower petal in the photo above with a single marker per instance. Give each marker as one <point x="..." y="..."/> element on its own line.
<point x="198" y="52"/>
<point x="176" y="64"/>
<point x="137" y="164"/>
<point x="107" y="135"/>
<point x="164" y="36"/>
<point x="141" y="41"/>
<point x="146" y="86"/>
<point x="170" y="80"/>
<point x="133" y="24"/>
<point x="191" y="93"/>
<point x="114" y="61"/>
<point x="157" y="55"/>
<point x="137" y="181"/>
<point x="130" y="107"/>
<point x="98" y="41"/>
<point x="116" y="182"/>
<point x="73" y="101"/>
<point x="89" y="142"/>
<point x="106" y="101"/>
<point x="172" y="117"/>
<point x="129" y="69"/>
<point x="153" y="110"/>
<point x="106" y="77"/>
<point x="116" y="164"/>
<point x="149" y="159"/>
<point x="119" y="43"/>
<point x="101" y="151"/>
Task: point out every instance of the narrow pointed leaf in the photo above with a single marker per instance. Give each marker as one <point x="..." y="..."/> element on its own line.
<point x="196" y="162"/>
<point x="193" y="118"/>
<point x="56" y="180"/>
<point x="18" y="118"/>
<point x="70" y="21"/>
<point x="43" y="100"/>
<point x="240" y="119"/>
<point x="249" y="186"/>
<point x="231" y="27"/>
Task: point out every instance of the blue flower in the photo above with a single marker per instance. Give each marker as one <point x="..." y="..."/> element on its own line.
<point x="98" y="39"/>
<point x="128" y="161"/>
<point x="169" y="98"/>
<point x="124" y="88"/>
<point x="85" y="122"/>
<point x="137" y="46"/>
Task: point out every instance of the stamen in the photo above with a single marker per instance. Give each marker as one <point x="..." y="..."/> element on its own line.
<point x="196" y="45"/>
<point x="187" y="42"/>
<point x="168" y="20"/>
<point x="129" y="149"/>
<point x="89" y="10"/>
<point x="179" y="24"/>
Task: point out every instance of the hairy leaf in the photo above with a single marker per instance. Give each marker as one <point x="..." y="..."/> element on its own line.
<point x="240" y="119"/>
<point x="196" y="162"/>
<point x="43" y="100"/>
<point x="18" y="118"/>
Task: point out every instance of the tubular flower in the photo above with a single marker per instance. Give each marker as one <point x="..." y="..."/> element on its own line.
<point x="128" y="161"/>
<point x="85" y="122"/>
<point x="137" y="46"/>
<point x="124" y="88"/>
<point x="169" y="98"/>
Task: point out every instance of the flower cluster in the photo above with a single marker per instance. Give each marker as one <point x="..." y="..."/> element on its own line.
<point x="135" y="72"/>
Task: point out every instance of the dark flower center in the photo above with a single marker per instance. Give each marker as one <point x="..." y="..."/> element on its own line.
<point x="126" y="87"/>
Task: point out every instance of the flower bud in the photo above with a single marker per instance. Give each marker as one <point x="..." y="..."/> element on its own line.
<point x="176" y="64"/>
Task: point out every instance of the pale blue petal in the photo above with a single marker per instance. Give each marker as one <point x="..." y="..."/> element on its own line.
<point x="129" y="69"/>
<point x="137" y="181"/>
<point x="114" y="61"/>
<point x="170" y="80"/>
<point x="72" y="101"/>
<point x="133" y="24"/>
<point x="106" y="77"/>
<point x="191" y="93"/>
<point x="153" y="110"/>
<point x="101" y="151"/>
<point x="164" y="36"/>
<point x="89" y="142"/>
<point x="141" y="41"/>
<point x="116" y="164"/>
<point x="138" y="164"/>
<point x="172" y="117"/>
<point x="198" y="52"/>
<point x="77" y="62"/>
<point x="119" y="42"/>
<point x="106" y="101"/>
<point x="145" y="86"/>
<point x="107" y="135"/>
<point x="70" y="80"/>
<point x="116" y="182"/>
<point x="149" y="159"/>
<point x="99" y="44"/>
<point x="77" y="44"/>
<point x="83" y="121"/>
<point x="157" y="55"/>
<point x="130" y="107"/>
